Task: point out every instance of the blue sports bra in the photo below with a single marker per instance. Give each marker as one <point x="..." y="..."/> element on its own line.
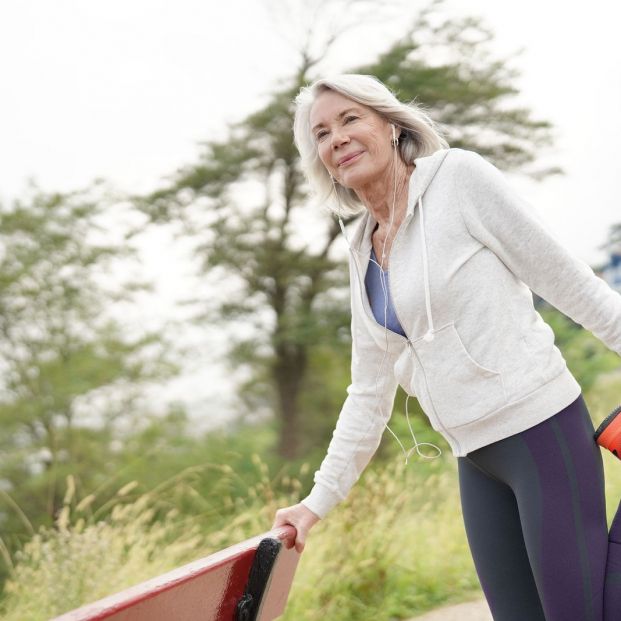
<point x="373" y="284"/>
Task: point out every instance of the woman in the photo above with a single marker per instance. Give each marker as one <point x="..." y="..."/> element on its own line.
<point x="441" y="304"/>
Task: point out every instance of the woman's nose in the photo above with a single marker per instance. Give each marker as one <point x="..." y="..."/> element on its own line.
<point x="339" y="137"/>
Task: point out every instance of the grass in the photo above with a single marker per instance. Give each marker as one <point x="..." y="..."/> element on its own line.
<point x="395" y="548"/>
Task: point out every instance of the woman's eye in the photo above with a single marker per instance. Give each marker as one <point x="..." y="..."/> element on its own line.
<point x="320" y="135"/>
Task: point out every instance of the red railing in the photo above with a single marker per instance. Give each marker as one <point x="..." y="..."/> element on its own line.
<point x="249" y="581"/>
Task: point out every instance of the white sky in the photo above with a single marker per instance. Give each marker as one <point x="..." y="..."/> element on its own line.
<point x="126" y="89"/>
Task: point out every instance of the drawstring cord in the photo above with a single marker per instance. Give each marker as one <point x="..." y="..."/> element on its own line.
<point x="429" y="336"/>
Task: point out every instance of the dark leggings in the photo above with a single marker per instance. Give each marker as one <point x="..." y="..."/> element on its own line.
<point x="535" y="516"/>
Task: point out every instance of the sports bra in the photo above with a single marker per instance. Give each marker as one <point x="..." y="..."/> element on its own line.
<point x="373" y="283"/>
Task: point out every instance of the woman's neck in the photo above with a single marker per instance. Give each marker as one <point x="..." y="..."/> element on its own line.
<point x="378" y="197"/>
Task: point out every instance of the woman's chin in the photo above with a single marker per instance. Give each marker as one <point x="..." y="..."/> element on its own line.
<point x="353" y="179"/>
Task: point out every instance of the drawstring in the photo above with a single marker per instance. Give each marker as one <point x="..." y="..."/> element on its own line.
<point x="429" y="336"/>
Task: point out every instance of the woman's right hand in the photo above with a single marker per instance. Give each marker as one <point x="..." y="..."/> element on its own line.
<point x="301" y="518"/>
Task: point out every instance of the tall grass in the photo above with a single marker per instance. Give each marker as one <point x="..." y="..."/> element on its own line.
<point x="395" y="548"/>
<point x="83" y="558"/>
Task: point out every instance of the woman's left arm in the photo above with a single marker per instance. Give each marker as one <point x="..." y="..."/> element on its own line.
<point x="495" y="215"/>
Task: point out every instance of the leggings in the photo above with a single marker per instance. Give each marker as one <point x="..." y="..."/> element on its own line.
<point x="535" y="517"/>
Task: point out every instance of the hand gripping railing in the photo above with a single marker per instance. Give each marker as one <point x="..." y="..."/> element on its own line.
<point x="249" y="581"/>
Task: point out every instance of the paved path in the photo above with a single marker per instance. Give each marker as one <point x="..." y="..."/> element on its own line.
<point x="477" y="610"/>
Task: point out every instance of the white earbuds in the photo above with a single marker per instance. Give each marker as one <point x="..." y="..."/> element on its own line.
<point x="395" y="140"/>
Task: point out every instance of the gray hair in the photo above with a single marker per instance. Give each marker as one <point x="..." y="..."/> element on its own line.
<point x="420" y="136"/>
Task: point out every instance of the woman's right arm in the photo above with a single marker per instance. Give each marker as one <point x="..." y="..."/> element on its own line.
<point x="361" y="422"/>
<point x="357" y="434"/>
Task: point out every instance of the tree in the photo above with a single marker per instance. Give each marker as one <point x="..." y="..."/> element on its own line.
<point x="69" y="373"/>
<point x="291" y="283"/>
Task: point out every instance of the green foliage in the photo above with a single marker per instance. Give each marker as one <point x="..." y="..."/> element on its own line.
<point x="83" y="558"/>
<point x="397" y="544"/>
<point x="90" y="554"/>
<point x="167" y="446"/>
<point x="70" y="375"/>
<point x="587" y="357"/>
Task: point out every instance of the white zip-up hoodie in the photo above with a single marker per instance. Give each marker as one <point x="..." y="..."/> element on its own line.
<point x="478" y="356"/>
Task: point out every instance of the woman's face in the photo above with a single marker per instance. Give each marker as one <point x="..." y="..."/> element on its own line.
<point x="353" y="141"/>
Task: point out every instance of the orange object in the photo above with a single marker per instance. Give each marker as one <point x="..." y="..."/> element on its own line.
<point x="608" y="434"/>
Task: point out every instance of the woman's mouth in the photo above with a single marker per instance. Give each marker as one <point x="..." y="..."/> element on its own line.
<point x="351" y="159"/>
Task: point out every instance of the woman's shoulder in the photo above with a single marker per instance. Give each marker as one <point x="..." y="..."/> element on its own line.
<point x="465" y="162"/>
<point x="464" y="156"/>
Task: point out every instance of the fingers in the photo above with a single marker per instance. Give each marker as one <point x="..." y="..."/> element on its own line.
<point x="298" y="542"/>
<point x="296" y="516"/>
<point x="291" y="541"/>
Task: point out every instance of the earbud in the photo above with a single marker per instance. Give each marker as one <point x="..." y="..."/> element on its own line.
<point x="395" y="140"/>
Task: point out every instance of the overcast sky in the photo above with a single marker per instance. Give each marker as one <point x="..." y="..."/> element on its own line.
<point x="126" y="89"/>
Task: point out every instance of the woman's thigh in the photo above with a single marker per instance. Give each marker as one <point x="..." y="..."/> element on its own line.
<point x="494" y="533"/>
<point x="555" y="471"/>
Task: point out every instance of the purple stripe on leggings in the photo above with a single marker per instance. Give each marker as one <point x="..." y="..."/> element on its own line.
<point x="574" y="549"/>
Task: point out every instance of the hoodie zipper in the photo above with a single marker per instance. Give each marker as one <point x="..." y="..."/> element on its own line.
<point x="409" y="342"/>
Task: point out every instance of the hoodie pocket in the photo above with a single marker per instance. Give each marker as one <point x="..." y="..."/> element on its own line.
<point x="460" y="389"/>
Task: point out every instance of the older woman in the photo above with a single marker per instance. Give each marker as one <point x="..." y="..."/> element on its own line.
<point x="441" y="304"/>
